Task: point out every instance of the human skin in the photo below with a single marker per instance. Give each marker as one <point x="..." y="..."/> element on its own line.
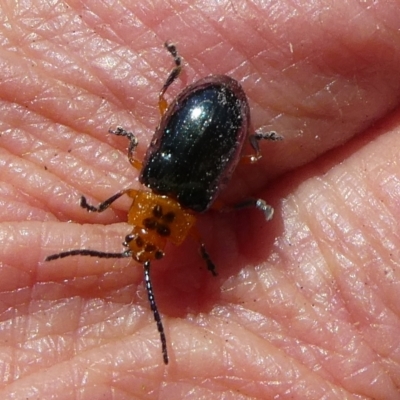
<point x="305" y="306"/>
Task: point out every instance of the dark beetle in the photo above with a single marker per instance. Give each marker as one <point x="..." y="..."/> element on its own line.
<point x="198" y="143"/>
<point x="194" y="151"/>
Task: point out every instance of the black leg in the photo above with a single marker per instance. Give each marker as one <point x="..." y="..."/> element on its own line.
<point x="153" y="306"/>
<point x="256" y="137"/>
<point x="177" y="69"/>
<point x="206" y="257"/>
<point x="91" y="253"/>
<point x="133" y="142"/>
<point x="260" y="204"/>
<point x="102" y="206"/>
<point x="162" y="103"/>
<point x="128" y="239"/>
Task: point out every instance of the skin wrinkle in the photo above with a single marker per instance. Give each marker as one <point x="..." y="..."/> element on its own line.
<point x="232" y="379"/>
<point x="35" y="50"/>
<point x="268" y="295"/>
<point x="78" y="320"/>
<point x="361" y="223"/>
<point x="75" y="61"/>
<point x="355" y="264"/>
<point x="304" y="339"/>
<point x="67" y="175"/>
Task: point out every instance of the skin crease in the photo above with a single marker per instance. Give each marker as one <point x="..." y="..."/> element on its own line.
<point x="305" y="306"/>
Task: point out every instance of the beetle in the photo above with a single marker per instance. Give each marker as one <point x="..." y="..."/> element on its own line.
<point x="194" y="151"/>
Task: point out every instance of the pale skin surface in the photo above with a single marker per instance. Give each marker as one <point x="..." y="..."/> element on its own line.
<point x="306" y="306"/>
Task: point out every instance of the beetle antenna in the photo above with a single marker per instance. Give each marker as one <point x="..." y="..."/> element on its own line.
<point x="153" y="306"/>
<point x="91" y="253"/>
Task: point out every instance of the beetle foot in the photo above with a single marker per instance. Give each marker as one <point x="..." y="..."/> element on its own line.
<point x="129" y="135"/>
<point x="258" y="135"/>
<point x="265" y="208"/>
<point x="260" y="204"/>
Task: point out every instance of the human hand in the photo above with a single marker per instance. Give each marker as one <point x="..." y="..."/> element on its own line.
<point x="305" y="306"/>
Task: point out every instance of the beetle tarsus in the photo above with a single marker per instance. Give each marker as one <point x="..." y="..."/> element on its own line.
<point x="260" y="204"/>
<point x="174" y="53"/>
<point x="133" y="142"/>
<point x="265" y="208"/>
<point x="267" y="136"/>
<point x="120" y="131"/>
<point x="206" y="257"/>
<point x="162" y="103"/>
<point x="256" y="137"/>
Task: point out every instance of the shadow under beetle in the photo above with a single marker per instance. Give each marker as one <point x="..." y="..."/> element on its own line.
<point x="191" y="157"/>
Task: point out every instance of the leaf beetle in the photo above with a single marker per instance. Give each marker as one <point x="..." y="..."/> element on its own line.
<point x="194" y="151"/>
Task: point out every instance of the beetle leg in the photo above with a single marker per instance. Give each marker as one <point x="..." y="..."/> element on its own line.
<point x="203" y="252"/>
<point x="128" y="239"/>
<point x="162" y="103"/>
<point x="105" y="204"/>
<point x="254" y="139"/>
<point x="133" y="142"/>
<point x="260" y="204"/>
<point x="206" y="257"/>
